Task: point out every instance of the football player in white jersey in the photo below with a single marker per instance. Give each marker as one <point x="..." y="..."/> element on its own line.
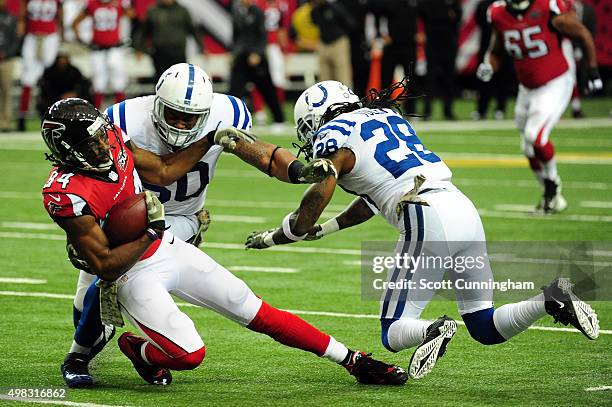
<point x="184" y="110"/>
<point x="379" y="157"/>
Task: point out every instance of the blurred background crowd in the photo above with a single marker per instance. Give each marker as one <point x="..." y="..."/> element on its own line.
<point x="264" y="51"/>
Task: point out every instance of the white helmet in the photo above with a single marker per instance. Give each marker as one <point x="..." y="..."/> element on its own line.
<point x="314" y="102"/>
<point x="185" y="88"/>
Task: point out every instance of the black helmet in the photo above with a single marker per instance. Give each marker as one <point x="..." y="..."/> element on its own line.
<point x="77" y="135"/>
<point x="519" y="5"/>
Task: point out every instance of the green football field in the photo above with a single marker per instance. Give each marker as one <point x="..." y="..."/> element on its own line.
<point x="321" y="282"/>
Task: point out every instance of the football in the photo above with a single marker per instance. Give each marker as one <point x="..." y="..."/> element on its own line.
<point x="126" y="221"/>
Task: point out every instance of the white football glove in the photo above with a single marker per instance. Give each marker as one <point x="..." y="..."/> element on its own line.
<point x="317" y="170"/>
<point x="484" y="72"/>
<point x="594" y="83"/>
<point x="260" y="240"/>
<point x="227" y="138"/>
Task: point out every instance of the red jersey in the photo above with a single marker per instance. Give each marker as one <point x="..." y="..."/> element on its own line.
<point x="276" y="13"/>
<point x="531" y="41"/>
<point x="68" y="195"/>
<point x="106" y="17"/>
<point x="41" y="16"/>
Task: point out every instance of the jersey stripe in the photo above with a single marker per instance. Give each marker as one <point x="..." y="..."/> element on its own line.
<point x="554" y="7"/>
<point x="246" y="123"/>
<point x="236" y="110"/>
<point x="337" y="128"/>
<point x="190" y="85"/>
<point x="77" y="204"/>
<point x="122" y="122"/>
<point x="109" y="113"/>
<point x="401" y="304"/>
<point x="347" y="122"/>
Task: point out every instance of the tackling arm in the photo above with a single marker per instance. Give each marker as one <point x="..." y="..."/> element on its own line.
<point x="273" y="160"/>
<point x="355" y="214"/>
<point x="166" y="169"/>
<point x="297" y="224"/>
<point x="92" y="245"/>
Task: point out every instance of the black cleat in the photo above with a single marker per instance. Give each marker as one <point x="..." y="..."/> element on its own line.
<point x="425" y="356"/>
<point x="372" y="371"/>
<point x="565" y="307"/>
<point x="75" y="371"/>
<point x="130" y="345"/>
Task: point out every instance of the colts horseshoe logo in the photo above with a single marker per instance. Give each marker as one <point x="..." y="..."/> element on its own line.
<point x="319" y="103"/>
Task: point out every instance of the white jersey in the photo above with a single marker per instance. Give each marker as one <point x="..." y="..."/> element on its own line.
<point x="186" y="196"/>
<point x="388" y="155"/>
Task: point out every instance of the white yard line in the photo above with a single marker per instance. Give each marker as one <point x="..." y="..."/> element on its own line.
<point x="260" y="269"/>
<point x="55" y="402"/>
<point x="596" y="204"/>
<point x="514" y="208"/>
<point x="599" y="388"/>
<point x="22" y="280"/>
<point x="298" y="312"/>
<point x="557" y="218"/>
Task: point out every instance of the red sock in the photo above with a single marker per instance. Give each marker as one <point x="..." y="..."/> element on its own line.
<point x="24" y="101"/>
<point x="290" y="330"/>
<point x="119" y="97"/>
<point x="258" y="102"/>
<point x="98" y="99"/>
<point x="188" y="361"/>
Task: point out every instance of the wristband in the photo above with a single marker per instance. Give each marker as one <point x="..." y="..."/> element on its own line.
<point x="268" y="241"/>
<point x="272" y="159"/>
<point x="329" y="227"/>
<point x="287" y="230"/>
<point x="294" y="171"/>
<point x="151" y="234"/>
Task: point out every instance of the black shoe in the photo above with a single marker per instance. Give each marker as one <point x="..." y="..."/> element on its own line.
<point x="75" y="371"/>
<point x="130" y="345"/>
<point x="565" y="307"/>
<point x="372" y="371"/>
<point x="108" y="332"/>
<point x="425" y="356"/>
<point x="578" y="114"/>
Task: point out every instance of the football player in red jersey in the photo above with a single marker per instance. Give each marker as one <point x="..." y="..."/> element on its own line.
<point x="95" y="167"/>
<point x="107" y="51"/>
<point x="41" y="22"/>
<point x="531" y="32"/>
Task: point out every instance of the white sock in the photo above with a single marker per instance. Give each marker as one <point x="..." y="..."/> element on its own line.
<point x="549" y="169"/>
<point x="406" y="333"/>
<point x="336" y="351"/>
<point x="76" y="348"/>
<point x="512" y="319"/>
<point x="576" y="105"/>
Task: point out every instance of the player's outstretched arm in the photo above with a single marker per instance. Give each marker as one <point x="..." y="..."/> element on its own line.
<point x="92" y="246"/>
<point x="274" y="160"/>
<point x="297" y="224"/>
<point x="166" y="169"/>
<point x="355" y="214"/>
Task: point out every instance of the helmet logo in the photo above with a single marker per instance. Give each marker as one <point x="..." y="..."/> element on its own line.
<point x="190" y="85"/>
<point x="55" y="130"/>
<point x="322" y="101"/>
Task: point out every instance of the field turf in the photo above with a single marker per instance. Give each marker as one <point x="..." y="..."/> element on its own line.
<point x="537" y="367"/>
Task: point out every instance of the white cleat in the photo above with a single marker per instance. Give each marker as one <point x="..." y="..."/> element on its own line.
<point x="425" y="356"/>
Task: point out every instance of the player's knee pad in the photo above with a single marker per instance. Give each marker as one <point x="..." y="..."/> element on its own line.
<point x="481" y="327"/>
<point x="385" y="324"/>
<point x="189" y="361"/>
